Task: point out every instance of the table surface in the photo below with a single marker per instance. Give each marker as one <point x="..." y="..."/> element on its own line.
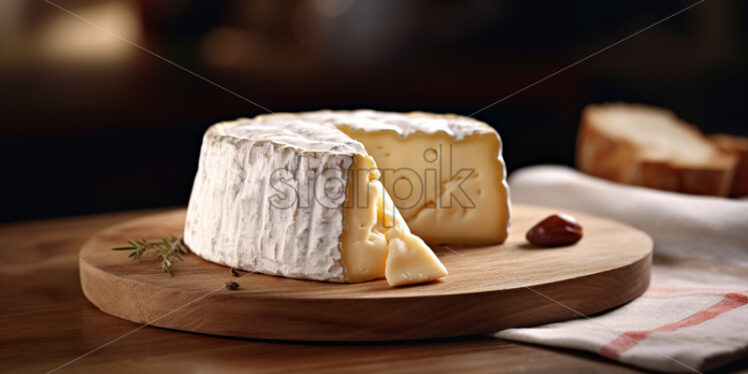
<point x="46" y="322"/>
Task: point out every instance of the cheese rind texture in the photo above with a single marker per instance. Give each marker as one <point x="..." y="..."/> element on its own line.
<point x="230" y="216"/>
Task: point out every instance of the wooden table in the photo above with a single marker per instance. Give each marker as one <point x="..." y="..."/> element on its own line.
<point x="46" y="322"/>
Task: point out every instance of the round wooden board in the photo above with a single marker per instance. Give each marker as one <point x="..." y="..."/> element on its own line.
<point x="487" y="289"/>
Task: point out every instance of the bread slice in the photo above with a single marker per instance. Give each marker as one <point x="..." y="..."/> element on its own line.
<point x="648" y="146"/>
<point x="737" y="146"/>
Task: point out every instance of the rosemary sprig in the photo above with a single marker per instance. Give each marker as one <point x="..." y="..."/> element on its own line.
<point x="167" y="250"/>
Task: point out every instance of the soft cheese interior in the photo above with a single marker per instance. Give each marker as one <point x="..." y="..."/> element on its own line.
<point x="376" y="241"/>
<point x="445" y="173"/>
<point x="461" y="199"/>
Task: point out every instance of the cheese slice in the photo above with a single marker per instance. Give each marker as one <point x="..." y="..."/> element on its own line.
<point x="284" y="196"/>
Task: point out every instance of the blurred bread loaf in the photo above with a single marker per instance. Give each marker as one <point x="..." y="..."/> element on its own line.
<point x="737" y="146"/>
<point x="649" y="146"/>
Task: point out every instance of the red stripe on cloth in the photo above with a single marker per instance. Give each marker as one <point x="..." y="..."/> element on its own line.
<point x="629" y="339"/>
<point x="694" y="289"/>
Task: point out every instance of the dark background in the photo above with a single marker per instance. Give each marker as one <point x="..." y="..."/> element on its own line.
<point x="93" y="124"/>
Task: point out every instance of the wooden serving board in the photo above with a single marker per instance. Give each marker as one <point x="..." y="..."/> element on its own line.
<point x="488" y="288"/>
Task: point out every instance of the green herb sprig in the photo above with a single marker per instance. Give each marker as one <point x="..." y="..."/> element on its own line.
<point x="167" y="250"/>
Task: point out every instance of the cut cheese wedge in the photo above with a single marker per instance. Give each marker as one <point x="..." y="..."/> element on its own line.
<point x="377" y="242"/>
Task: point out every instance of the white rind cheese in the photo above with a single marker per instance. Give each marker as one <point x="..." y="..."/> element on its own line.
<point x="300" y="195"/>
<point x="286" y="198"/>
<point x="230" y="219"/>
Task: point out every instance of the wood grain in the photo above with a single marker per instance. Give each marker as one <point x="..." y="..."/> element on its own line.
<point x="488" y="289"/>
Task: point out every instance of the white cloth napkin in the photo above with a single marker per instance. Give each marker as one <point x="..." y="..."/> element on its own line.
<point x="694" y="316"/>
